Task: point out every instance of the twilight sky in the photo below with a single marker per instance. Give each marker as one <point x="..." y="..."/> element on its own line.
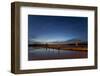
<point x="56" y="28"/>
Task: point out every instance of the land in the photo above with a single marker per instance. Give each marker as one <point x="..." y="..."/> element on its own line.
<point x="77" y="50"/>
<point x="72" y="47"/>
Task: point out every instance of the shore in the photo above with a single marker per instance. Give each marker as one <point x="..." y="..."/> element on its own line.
<point x="64" y="47"/>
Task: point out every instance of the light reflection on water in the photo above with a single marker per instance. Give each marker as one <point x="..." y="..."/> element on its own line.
<point x="44" y="53"/>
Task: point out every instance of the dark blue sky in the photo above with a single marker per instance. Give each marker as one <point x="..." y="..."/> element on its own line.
<point x="56" y="28"/>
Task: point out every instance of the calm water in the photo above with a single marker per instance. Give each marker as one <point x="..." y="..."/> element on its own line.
<point x="44" y="54"/>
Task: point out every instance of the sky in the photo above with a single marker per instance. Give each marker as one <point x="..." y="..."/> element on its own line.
<point x="56" y="28"/>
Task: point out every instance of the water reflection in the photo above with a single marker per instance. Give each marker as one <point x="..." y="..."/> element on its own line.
<point x="46" y="53"/>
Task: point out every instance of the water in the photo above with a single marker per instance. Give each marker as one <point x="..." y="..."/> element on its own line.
<point x="45" y="54"/>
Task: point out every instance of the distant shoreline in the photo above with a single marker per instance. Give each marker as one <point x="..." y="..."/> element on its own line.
<point x="82" y="48"/>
